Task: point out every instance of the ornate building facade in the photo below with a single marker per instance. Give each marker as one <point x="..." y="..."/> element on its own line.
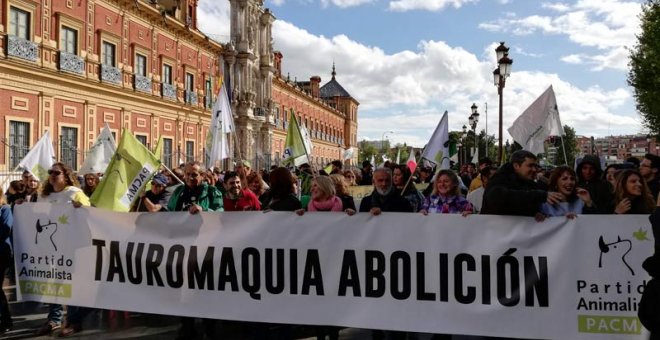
<point x="71" y="66"/>
<point x="262" y="98"/>
<point x="249" y="64"/>
<point x="328" y="112"/>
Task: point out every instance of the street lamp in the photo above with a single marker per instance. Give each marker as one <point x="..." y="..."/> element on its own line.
<point x="473" y="120"/>
<point x="500" y="74"/>
<point x="382" y="140"/>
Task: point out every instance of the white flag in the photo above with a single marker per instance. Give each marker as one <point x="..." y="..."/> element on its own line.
<point x="348" y="154"/>
<point x="307" y="140"/>
<point x="40" y="158"/>
<point x="539" y="121"/>
<point x="221" y="124"/>
<point x="398" y="156"/>
<point x="373" y="161"/>
<point x="475" y="156"/>
<point x="437" y="149"/>
<point x="99" y="155"/>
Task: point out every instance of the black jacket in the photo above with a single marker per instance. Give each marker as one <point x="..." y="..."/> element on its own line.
<point x="599" y="189"/>
<point x="649" y="305"/>
<point x="392" y="202"/>
<point x="509" y="194"/>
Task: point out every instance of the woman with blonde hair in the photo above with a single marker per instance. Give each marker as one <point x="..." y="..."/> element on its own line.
<point x="446" y="196"/>
<point x="350" y="177"/>
<point x="323" y="196"/>
<point x="341" y="186"/>
<point x="631" y="194"/>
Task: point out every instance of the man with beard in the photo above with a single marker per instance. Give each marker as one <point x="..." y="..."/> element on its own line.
<point x="236" y="198"/>
<point x="384" y="197"/>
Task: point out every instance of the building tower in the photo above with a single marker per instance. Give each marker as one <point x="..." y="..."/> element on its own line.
<point x="337" y="97"/>
<point x="249" y="61"/>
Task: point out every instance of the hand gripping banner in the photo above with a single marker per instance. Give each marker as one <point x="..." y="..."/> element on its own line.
<point x="480" y="275"/>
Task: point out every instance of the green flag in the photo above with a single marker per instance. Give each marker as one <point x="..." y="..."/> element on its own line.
<point x="158" y="151"/>
<point x="128" y="172"/>
<point x="294" y="147"/>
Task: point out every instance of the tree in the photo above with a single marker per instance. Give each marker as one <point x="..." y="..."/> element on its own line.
<point x="570" y="144"/>
<point x="367" y="150"/>
<point x="644" y="75"/>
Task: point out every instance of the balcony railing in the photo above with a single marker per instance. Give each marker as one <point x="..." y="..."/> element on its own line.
<point x="142" y="83"/>
<point x="71" y="63"/>
<point x="259" y="112"/>
<point x="191" y="97"/>
<point x="168" y="91"/>
<point x="110" y="74"/>
<point x="21" y="48"/>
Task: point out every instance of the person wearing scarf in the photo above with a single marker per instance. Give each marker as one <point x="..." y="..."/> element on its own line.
<point x="446" y="198"/>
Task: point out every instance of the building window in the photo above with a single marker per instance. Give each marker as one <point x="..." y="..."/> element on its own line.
<point x="140" y="65"/>
<point x="19" y="23"/>
<point x="109" y="54"/>
<point x="142" y="139"/>
<point x="69" y="40"/>
<point x="209" y="93"/>
<point x="167" y="74"/>
<point x="19" y="142"/>
<point x="190" y="151"/>
<point x="190" y="81"/>
<point x="167" y="152"/>
<point x="69" y="147"/>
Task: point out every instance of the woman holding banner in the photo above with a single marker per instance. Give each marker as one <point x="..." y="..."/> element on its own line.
<point x="446" y="196"/>
<point x="62" y="187"/>
<point x="324" y="196"/>
<point x="576" y="200"/>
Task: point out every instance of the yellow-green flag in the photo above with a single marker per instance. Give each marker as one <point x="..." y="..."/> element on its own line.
<point x="294" y="147"/>
<point x="158" y="151"/>
<point x="128" y="172"/>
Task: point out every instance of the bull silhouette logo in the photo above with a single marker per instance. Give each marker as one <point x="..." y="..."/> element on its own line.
<point x="47" y="230"/>
<point x="623" y="246"/>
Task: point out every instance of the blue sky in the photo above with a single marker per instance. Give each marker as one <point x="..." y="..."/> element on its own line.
<point x="407" y="61"/>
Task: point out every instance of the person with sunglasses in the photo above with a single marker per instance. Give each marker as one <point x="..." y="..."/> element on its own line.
<point x="63" y="187"/>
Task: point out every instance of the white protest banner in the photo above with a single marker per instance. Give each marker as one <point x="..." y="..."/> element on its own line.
<point x="480" y="275"/>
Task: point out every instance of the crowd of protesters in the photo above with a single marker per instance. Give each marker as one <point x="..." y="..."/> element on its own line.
<point x="520" y="187"/>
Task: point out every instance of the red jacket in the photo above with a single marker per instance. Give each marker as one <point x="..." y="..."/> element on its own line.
<point x="247" y="201"/>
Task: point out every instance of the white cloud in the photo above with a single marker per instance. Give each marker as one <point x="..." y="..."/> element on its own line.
<point x="213" y="18"/>
<point x="428" y="5"/>
<point x="606" y="25"/>
<point x="344" y="3"/>
<point x="557" y="6"/>
<point x="573" y="59"/>
<point x="407" y="91"/>
<point x="277" y="2"/>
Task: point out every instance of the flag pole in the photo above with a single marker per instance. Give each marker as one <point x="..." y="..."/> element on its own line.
<point x="564" y="147"/>
<point x="315" y="172"/>
<point x="409" y="178"/>
<point x="170" y="171"/>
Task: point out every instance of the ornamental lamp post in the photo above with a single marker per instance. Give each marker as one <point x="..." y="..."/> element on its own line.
<point x="500" y="74"/>
<point x="474" y="119"/>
